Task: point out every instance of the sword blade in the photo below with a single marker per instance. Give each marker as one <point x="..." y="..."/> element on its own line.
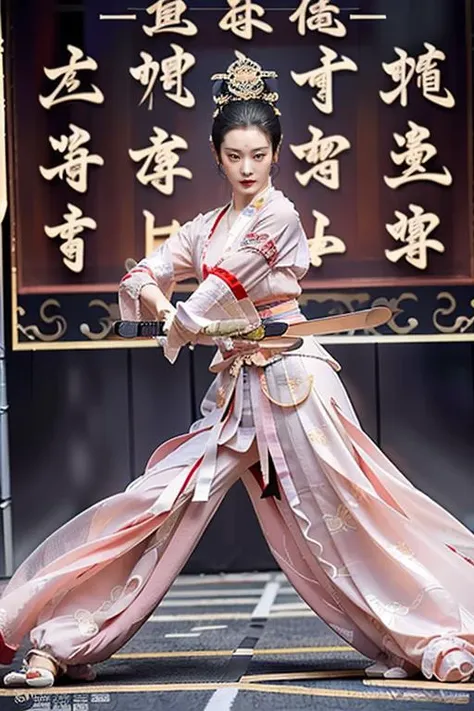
<point x="355" y="321"/>
<point x="367" y="318"/>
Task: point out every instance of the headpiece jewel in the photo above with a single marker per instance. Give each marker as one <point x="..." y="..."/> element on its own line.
<point x="243" y="81"/>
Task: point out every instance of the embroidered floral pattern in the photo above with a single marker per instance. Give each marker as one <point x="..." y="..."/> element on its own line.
<point x="403" y="550"/>
<point x="318" y="436"/>
<point x="261" y="244"/>
<point x="388" y="611"/>
<point x="156" y="269"/>
<point x="221" y="397"/>
<point x="341" y="521"/>
<point x="114" y="596"/>
<point x="134" y="281"/>
<point x="299" y="390"/>
<point x="88" y="627"/>
<point x="358" y="495"/>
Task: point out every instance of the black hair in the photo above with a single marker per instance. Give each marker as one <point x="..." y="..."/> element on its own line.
<point x="244" y="114"/>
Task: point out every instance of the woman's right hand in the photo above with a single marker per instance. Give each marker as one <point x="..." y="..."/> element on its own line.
<point x="156" y="303"/>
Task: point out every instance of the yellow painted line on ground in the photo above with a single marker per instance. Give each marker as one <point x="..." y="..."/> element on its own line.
<point x="354" y="694"/>
<point x="173" y="655"/>
<point x="229" y="616"/>
<point x="198" y="618"/>
<point x="98" y="688"/>
<point x="223" y="592"/>
<point x="389" y="695"/>
<point x="212" y="602"/>
<point x="305" y="676"/>
<point x="303" y="650"/>
<point x="226" y="579"/>
<point x="422" y="684"/>
<point x="229" y="652"/>
<point x="177" y="593"/>
<point x="402" y="696"/>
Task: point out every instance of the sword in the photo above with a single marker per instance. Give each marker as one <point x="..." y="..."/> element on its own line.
<point x="354" y="321"/>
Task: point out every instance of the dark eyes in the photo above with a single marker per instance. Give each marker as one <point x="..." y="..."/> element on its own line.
<point x="235" y="157"/>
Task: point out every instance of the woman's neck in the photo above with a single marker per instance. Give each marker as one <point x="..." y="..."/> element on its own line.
<point x="240" y="202"/>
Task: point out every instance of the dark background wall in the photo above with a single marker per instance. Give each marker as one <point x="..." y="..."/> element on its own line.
<point x="83" y="423"/>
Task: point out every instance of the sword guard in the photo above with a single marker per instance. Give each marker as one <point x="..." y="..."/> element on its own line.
<point x="275" y="328"/>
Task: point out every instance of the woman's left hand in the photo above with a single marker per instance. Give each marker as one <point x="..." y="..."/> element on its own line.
<point x="230" y="347"/>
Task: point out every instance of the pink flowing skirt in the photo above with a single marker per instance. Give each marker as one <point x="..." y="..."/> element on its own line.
<point x="386" y="567"/>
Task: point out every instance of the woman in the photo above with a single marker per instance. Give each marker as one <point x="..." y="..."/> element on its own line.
<point x="388" y="569"/>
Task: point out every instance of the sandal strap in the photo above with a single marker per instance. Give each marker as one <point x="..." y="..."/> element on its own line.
<point x="59" y="667"/>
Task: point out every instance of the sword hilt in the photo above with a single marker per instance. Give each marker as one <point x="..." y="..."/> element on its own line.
<point x="138" y="329"/>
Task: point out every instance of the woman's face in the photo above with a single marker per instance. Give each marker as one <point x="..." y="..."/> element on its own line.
<point x="246" y="156"/>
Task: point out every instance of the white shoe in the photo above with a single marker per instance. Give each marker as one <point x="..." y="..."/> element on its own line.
<point x="380" y="670"/>
<point x="29" y="677"/>
<point x="15" y="679"/>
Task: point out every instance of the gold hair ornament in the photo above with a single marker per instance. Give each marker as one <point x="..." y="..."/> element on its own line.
<point x="244" y="81"/>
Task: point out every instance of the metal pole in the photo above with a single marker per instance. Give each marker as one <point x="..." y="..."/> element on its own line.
<point x="5" y="481"/>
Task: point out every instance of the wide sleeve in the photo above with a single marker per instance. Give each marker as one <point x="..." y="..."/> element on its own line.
<point x="172" y="262"/>
<point x="276" y="240"/>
